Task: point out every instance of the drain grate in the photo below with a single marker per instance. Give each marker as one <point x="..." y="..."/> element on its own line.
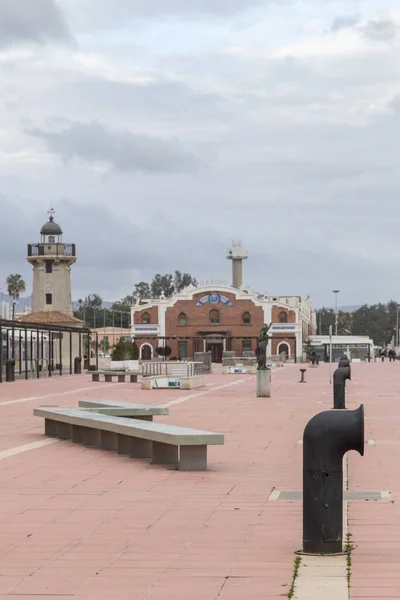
<point x="296" y="495"/>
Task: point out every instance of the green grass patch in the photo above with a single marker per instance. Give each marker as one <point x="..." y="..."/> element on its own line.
<point x="297" y="563"/>
<point x="348" y="547"/>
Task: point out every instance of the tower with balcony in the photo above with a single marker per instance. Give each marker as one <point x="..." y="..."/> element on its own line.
<point x="237" y="254"/>
<point x="51" y="261"/>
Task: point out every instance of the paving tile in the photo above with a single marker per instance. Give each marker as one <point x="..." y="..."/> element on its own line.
<point x="104" y="526"/>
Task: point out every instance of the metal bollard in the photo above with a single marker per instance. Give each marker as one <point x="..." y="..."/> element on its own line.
<point x="77" y="365"/>
<point x="327" y="437"/>
<point x="302" y="380"/>
<point x="10" y="369"/>
<point x="344" y="362"/>
<point x="339" y="387"/>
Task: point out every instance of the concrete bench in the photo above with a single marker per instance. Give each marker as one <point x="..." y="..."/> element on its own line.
<point x="132" y="437"/>
<point x="124" y="409"/>
<point x="108" y="376"/>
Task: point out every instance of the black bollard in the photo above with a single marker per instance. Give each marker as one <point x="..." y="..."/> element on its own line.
<point x="327" y="437"/>
<point x="10" y="369"/>
<point x="344" y="362"/>
<point x="77" y="365"/>
<point x="339" y="387"/>
<point x="302" y="380"/>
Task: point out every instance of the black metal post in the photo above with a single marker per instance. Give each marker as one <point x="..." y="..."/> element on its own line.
<point x="31" y="351"/>
<point x="302" y="380"/>
<point x="339" y="387"/>
<point x="50" y="353"/>
<point x="327" y="437"/>
<point x="10" y="369"/>
<point x="97" y="351"/>
<point x="60" y="347"/>
<point x="344" y="362"/>
<point x="12" y="341"/>
<point x="20" y="351"/>
<point x="70" y="352"/>
<point x="26" y="352"/>
<point x="38" y="353"/>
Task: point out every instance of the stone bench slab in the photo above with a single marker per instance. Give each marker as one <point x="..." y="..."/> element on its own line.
<point x="137" y="438"/>
<point x="121" y="409"/>
<point x="121" y="375"/>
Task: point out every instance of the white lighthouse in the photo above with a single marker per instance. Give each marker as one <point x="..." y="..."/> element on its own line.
<point x="51" y="260"/>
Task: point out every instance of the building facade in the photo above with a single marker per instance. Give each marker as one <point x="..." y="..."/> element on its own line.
<point x="217" y="319"/>
<point x="109" y="337"/>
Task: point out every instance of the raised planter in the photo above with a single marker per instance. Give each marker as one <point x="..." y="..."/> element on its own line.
<point x="237" y="370"/>
<point x="179" y="383"/>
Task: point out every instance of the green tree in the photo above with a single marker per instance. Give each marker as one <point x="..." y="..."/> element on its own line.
<point x="326" y="317"/>
<point x="375" y="322"/>
<point x="125" y="350"/>
<point x="15" y="285"/>
<point x="182" y="281"/>
<point x="93" y="300"/>
<point x="162" y="284"/>
<point x="141" y="290"/>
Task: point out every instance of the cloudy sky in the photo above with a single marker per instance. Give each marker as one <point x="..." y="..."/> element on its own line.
<point x="160" y="130"/>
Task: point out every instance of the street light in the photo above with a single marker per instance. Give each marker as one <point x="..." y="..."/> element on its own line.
<point x="336" y="310"/>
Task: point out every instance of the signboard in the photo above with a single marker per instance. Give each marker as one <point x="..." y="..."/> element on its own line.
<point x="151" y="328"/>
<point x="175" y="383"/>
<point x="214" y="299"/>
<point x="166" y="382"/>
<point x="283" y="327"/>
<point x="221" y="282"/>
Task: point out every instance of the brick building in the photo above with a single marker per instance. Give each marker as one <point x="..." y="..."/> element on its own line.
<point x="219" y="318"/>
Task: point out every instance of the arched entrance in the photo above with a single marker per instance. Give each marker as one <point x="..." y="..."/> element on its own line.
<point x="283" y="348"/>
<point x="146" y="352"/>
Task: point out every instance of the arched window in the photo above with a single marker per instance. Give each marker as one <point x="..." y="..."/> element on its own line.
<point x="246" y="318"/>
<point x="214" y="317"/>
<point x="182" y="320"/>
<point x="146" y="318"/>
<point x="283" y="317"/>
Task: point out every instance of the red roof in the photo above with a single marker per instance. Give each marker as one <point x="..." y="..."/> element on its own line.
<point x="50" y="317"/>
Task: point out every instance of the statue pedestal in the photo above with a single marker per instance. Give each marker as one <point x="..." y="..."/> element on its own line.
<point x="263" y="383"/>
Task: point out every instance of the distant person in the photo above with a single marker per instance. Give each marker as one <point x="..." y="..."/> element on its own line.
<point x="382" y="354"/>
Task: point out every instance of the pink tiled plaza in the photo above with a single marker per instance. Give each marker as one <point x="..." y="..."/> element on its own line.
<point x="81" y="523"/>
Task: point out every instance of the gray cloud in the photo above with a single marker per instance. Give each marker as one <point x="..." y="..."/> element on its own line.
<point x="344" y="22"/>
<point x="103" y="12"/>
<point x="302" y="152"/>
<point x="121" y="150"/>
<point x="382" y="30"/>
<point x="37" y="21"/>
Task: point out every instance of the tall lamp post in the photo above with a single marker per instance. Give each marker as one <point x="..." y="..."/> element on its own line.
<point x="397" y="327"/>
<point x="336" y="310"/>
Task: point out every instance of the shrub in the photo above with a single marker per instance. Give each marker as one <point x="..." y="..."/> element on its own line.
<point x="125" y="350"/>
<point x="163" y="350"/>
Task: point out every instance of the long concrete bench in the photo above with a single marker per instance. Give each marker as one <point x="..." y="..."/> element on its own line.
<point x="133" y="437"/>
<point x="124" y="409"/>
<point x="108" y="376"/>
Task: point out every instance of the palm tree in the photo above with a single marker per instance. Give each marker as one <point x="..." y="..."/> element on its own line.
<point x="15" y="285"/>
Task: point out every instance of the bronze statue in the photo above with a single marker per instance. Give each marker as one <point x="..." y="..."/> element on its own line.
<point x="262" y="345"/>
